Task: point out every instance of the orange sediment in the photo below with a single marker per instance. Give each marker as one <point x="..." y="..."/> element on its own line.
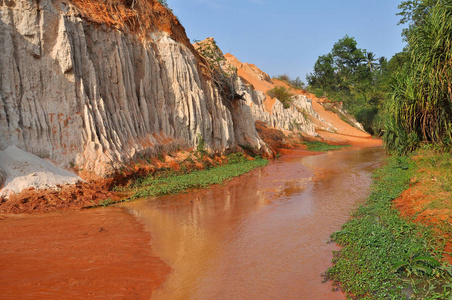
<point x="415" y="204"/>
<point x="93" y="254"/>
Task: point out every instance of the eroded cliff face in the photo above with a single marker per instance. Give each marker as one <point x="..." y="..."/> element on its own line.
<point x="95" y="97"/>
<point x="296" y="118"/>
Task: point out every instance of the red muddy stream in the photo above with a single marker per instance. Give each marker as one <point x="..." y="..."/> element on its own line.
<point x="261" y="236"/>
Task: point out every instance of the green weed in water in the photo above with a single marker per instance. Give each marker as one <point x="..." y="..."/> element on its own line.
<point x="321" y="146"/>
<point x="159" y="186"/>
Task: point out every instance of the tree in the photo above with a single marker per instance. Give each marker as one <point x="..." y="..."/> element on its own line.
<point x="413" y="13"/>
<point x="324" y="75"/>
<point x="348" y="74"/>
<point x="297" y="83"/>
<point x="340" y="70"/>
<point x="346" y="54"/>
<point x="370" y="61"/>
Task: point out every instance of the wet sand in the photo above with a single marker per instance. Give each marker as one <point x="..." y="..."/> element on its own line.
<point x="91" y="254"/>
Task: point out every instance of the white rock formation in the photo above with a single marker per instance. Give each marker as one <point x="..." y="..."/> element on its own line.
<point x="295" y="118"/>
<point x="96" y="98"/>
<point x="24" y="170"/>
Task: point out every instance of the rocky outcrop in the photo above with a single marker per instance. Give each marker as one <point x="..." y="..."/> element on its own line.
<point x="295" y="118"/>
<point x="275" y="138"/>
<point x="95" y="97"/>
<point x="338" y="109"/>
<point x="306" y="113"/>
<point x="262" y="107"/>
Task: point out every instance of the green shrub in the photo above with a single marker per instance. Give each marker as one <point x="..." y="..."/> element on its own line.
<point x="419" y="107"/>
<point x="282" y="94"/>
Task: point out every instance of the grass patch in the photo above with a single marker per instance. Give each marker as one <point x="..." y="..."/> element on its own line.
<point x="436" y="175"/>
<point x="322" y="147"/>
<point x="384" y="254"/>
<point x="174" y="183"/>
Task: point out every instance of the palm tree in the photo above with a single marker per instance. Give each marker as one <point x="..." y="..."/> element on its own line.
<point x="371" y="59"/>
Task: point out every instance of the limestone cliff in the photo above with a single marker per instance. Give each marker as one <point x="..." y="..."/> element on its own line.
<point x="86" y="89"/>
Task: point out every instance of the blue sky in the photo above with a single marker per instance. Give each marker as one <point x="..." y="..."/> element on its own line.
<point x="287" y="36"/>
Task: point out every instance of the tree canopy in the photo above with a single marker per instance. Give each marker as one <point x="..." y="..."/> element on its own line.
<point x="353" y="76"/>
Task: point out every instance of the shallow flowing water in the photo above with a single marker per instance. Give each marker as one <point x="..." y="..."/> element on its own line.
<point x="261" y="236"/>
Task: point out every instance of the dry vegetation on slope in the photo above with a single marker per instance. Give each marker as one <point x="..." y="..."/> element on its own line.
<point x="140" y="17"/>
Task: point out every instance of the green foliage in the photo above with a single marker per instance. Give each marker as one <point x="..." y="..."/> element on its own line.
<point x="418" y="265"/>
<point x="282" y="94"/>
<point x="324" y="77"/>
<point x="164" y="3"/>
<point x="413" y="13"/>
<point x="295" y="83"/>
<point x="379" y="247"/>
<point x="321" y="146"/>
<point x="201" y="147"/>
<point x="106" y="202"/>
<point x="354" y="76"/>
<point x="236" y="158"/>
<point x="419" y="107"/>
<point x="175" y="183"/>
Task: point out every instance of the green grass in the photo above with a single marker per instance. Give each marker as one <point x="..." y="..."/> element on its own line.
<point x="175" y="183"/>
<point x="383" y="253"/>
<point x="321" y="146"/>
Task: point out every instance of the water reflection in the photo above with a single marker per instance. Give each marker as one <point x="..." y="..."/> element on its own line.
<point x="263" y="235"/>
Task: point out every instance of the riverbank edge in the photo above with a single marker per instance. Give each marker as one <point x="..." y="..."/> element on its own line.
<point x="125" y="185"/>
<point x="104" y="192"/>
<point x="387" y="254"/>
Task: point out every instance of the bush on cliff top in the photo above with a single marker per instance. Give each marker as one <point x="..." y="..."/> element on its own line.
<point x="282" y="94"/>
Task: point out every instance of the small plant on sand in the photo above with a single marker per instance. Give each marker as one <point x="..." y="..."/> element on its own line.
<point x="164" y="3"/>
<point x="295" y="83"/>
